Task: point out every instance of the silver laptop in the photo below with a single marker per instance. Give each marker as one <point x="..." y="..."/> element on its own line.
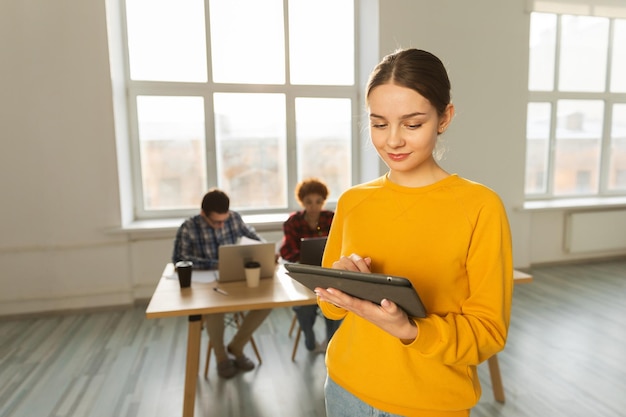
<point x="233" y="257"/>
<point x="312" y="250"/>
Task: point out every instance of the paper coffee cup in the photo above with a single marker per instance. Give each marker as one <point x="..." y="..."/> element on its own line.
<point x="253" y="273"/>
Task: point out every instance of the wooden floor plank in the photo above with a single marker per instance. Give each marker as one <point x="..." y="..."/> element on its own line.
<point x="565" y="357"/>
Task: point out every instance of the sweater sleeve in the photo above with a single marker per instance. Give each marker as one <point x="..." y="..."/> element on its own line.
<point x="480" y="329"/>
<point x="332" y="252"/>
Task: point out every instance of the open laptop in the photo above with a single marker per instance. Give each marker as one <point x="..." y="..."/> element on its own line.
<point x="312" y="250"/>
<point x="233" y="257"/>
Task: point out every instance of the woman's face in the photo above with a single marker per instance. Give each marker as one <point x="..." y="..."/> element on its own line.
<point x="404" y="127"/>
<point x="313" y="203"/>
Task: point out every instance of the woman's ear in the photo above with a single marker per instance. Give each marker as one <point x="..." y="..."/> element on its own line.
<point x="446" y="118"/>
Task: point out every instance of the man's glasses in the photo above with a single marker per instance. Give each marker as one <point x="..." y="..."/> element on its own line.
<point x="217" y="220"/>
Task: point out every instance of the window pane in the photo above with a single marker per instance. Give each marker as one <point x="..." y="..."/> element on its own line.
<point x="324" y="132"/>
<point x="618" y="66"/>
<point x="577" y="152"/>
<point x="617" y="167"/>
<point x="250" y="138"/>
<point x="321" y="56"/>
<point x="537" y="142"/>
<point x="584" y="49"/>
<point x="542" y="52"/>
<point x="172" y="153"/>
<point x="166" y="40"/>
<point x="247" y="41"/>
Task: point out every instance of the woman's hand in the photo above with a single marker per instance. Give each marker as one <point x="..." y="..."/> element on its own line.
<point x="388" y="316"/>
<point x="353" y="263"/>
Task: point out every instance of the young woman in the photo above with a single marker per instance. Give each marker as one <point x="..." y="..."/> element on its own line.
<point x="448" y="235"/>
<point x="312" y="221"/>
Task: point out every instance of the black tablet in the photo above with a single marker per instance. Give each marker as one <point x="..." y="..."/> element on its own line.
<point x="372" y="287"/>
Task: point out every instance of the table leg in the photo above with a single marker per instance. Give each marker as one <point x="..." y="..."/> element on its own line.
<point x="193" y="362"/>
<point x="496" y="378"/>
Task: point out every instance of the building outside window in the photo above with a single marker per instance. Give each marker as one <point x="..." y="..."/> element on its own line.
<point x="576" y="120"/>
<point x="249" y="96"/>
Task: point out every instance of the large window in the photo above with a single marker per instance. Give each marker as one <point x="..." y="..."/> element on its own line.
<point x="576" y="120"/>
<point x="249" y="96"/>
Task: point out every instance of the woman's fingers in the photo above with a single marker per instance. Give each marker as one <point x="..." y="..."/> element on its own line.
<point x="354" y="262"/>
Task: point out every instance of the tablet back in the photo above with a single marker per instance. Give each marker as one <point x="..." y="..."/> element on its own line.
<point x="372" y="287"/>
<point x="312" y="250"/>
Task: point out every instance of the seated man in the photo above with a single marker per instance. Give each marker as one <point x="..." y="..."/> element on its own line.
<point x="197" y="240"/>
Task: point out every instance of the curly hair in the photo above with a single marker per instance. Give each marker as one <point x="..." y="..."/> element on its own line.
<point x="311" y="186"/>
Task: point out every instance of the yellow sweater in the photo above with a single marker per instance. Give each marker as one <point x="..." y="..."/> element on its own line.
<point x="452" y="240"/>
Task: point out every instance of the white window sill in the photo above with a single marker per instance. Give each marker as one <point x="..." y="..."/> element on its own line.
<point x="576" y="203"/>
<point x="261" y="222"/>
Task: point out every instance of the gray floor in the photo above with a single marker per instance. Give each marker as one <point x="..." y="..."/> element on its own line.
<point x="566" y="356"/>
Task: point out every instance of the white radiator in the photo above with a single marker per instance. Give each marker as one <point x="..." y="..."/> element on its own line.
<point x="595" y="231"/>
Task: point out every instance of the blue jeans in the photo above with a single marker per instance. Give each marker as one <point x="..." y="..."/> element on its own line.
<point x="340" y="403"/>
<point x="306" y="318"/>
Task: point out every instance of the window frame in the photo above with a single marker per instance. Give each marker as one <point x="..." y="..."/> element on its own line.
<point x="205" y="90"/>
<point x="552" y="97"/>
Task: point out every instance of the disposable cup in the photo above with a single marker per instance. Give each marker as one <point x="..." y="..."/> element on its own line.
<point x="184" y="268"/>
<point x="253" y="274"/>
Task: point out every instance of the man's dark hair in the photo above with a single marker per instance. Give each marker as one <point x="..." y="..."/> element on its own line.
<point x="215" y="201"/>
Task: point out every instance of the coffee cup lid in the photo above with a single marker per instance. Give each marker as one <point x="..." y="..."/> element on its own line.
<point x="183" y="264"/>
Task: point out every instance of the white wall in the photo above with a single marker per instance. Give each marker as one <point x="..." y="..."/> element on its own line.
<point x="57" y="160"/>
<point x="485" y="48"/>
<point x="58" y="165"/>
<point x="486" y="58"/>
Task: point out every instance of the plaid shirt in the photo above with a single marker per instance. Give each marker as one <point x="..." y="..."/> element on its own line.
<point x="197" y="241"/>
<point x="296" y="227"/>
